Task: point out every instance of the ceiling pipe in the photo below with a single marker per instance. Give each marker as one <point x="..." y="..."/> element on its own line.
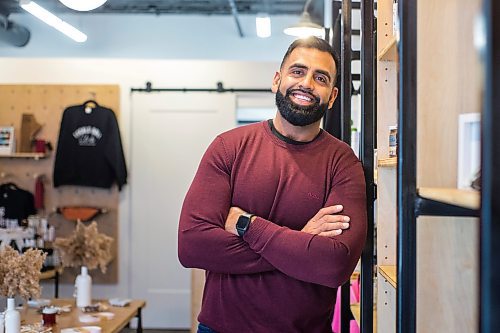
<point x="234" y="11"/>
<point x="13" y="33"/>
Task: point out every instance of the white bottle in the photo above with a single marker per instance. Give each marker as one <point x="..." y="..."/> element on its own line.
<point x="83" y="286"/>
<point x="12" y="317"/>
<point x="1" y="323"/>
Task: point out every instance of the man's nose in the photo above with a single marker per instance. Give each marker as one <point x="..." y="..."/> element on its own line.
<point x="307" y="82"/>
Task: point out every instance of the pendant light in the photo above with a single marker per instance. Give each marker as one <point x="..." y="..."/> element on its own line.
<point x="305" y="27"/>
<point x="83" y="5"/>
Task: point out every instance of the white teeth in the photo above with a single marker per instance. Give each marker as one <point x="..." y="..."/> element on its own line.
<point x="304" y="98"/>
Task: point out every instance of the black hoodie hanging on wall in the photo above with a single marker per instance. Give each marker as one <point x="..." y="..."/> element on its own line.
<point x="15" y="203"/>
<point x="89" y="148"/>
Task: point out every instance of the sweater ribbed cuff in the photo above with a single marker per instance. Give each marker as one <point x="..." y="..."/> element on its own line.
<point x="257" y="229"/>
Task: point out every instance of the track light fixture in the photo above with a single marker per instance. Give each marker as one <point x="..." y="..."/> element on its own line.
<point x="47" y="17"/>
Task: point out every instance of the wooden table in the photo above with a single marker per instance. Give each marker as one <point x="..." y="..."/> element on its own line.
<point x="123" y="315"/>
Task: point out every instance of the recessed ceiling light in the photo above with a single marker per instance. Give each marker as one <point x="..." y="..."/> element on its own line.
<point x="263" y="25"/>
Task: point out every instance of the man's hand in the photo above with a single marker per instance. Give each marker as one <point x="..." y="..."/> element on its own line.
<point x="232" y="218"/>
<point x="324" y="223"/>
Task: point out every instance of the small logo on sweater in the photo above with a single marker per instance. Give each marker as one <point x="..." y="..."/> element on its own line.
<point x="313" y="195"/>
<point x="87" y="135"/>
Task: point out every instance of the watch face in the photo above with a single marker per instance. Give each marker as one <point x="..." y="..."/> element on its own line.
<point x="242" y="224"/>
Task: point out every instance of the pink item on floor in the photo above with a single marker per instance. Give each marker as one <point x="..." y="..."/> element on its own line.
<point x="355" y="297"/>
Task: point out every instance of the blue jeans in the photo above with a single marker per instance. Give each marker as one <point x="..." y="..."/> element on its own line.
<point x="205" y="329"/>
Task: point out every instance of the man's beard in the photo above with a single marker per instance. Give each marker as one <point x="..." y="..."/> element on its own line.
<point x="299" y="115"/>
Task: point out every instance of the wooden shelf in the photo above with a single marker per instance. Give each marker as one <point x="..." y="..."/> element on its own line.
<point x="452" y="196"/>
<point x="390" y="52"/>
<point x="35" y="156"/>
<point x="388" y="162"/>
<point x="356" y="313"/>
<point x="389" y="272"/>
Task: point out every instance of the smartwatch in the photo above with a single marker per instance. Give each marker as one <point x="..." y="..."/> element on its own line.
<point x="243" y="223"/>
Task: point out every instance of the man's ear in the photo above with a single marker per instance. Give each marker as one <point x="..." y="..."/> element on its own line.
<point x="276" y="82"/>
<point x="333" y="96"/>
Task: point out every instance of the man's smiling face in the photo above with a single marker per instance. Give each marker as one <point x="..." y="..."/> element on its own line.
<point x="304" y="86"/>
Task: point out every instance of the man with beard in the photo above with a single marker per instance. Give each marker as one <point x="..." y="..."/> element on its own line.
<point x="276" y="213"/>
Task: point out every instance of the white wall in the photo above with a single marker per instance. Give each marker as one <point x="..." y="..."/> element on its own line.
<point x="154" y="37"/>
<point x="132" y="73"/>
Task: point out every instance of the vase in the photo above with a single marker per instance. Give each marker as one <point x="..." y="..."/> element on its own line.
<point x="2" y="323"/>
<point x="83" y="285"/>
<point x="12" y="319"/>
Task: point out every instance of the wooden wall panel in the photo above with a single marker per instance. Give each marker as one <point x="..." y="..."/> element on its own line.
<point x="447" y="274"/>
<point x="47" y="103"/>
<point x="448" y="83"/>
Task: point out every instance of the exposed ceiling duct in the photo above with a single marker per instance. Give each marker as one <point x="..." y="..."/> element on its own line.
<point x="12" y="33"/>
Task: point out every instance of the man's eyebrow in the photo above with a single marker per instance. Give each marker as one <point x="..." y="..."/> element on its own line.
<point x="299" y="65"/>
<point x="325" y="73"/>
<point x="320" y="71"/>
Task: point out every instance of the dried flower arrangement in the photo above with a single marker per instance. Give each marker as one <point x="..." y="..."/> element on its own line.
<point x="20" y="273"/>
<point x="85" y="247"/>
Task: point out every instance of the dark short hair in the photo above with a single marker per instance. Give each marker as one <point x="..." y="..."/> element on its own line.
<point x="313" y="43"/>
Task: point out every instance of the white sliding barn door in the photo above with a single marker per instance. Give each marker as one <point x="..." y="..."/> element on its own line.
<point x="170" y="132"/>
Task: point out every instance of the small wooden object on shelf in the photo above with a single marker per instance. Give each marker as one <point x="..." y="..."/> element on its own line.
<point x="29" y="128"/>
<point x="388" y="162"/>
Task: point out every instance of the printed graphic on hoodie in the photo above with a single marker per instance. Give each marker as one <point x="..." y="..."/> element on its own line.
<point x="87" y="135"/>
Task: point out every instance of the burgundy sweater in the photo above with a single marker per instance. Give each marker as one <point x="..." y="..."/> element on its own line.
<point x="277" y="278"/>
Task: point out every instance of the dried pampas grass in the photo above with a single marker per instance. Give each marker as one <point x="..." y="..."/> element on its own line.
<point x="85" y="247"/>
<point x="20" y="273"/>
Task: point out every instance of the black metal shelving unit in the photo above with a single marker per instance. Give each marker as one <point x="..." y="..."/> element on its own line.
<point x="407" y="174"/>
<point x="367" y="144"/>
<point x="489" y="320"/>
<point x="345" y="70"/>
<point x="345" y="129"/>
<point x="367" y="148"/>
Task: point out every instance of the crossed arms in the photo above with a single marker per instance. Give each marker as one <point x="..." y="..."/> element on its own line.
<point x="319" y="253"/>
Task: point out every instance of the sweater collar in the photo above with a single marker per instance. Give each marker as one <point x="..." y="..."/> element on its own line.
<point x="286" y="139"/>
